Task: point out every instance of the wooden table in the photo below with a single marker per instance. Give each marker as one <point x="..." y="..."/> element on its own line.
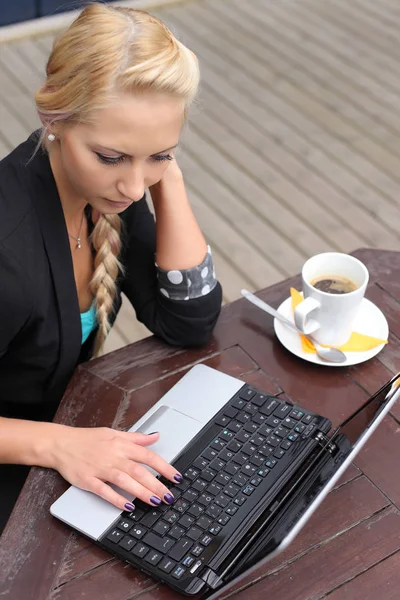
<point x="350" y="550"/>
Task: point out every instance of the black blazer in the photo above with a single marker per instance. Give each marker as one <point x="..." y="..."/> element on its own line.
<point x="40" y="328"/>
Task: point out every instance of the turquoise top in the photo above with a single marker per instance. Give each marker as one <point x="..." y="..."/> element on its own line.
<point x="88" y="322"/>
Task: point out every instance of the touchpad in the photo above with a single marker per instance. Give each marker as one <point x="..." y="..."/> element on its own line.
<point x="175" y="428"/>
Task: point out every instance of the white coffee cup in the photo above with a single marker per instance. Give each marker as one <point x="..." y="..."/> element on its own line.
<point x="329" y="317"/>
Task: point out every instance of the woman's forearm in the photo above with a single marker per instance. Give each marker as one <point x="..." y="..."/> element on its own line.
<point x="180" y="243"/>
<point x="27" y="442"/>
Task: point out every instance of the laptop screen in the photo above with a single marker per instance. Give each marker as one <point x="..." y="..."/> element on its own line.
<point x="348" y="440"/>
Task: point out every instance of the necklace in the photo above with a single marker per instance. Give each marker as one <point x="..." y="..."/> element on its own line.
<point x="77" y="238"/>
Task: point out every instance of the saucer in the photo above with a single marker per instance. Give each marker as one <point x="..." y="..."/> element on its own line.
<point x="369" y="321"/>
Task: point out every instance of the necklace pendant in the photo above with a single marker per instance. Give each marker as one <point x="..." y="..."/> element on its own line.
<point x="78" y="242"/>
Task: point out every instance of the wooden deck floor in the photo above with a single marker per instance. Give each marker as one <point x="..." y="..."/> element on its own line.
<point x="294" y="145"/>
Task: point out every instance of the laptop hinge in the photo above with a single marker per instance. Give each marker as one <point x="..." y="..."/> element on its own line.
<point x="325" y="442"/>
<point x="211" y="578"/>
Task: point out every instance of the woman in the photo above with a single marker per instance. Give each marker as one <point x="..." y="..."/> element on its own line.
<point x="75" y="232"/>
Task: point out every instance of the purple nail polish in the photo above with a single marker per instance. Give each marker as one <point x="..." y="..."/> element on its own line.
<point x="169" y="498"/>
<point x="155" y="500"/>
<point x="129" y="506"/>
<point x="178" y="478"/>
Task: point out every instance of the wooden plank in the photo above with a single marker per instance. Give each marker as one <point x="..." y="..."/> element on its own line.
<point x="32" y="54"/>
<point x="381" y="581"/>
<point x="374" y="539"/>
<point x="228" y="206"/>
<point x="286" y="51"/>
<point x="316" y="209"/>
<point x="326" y="121"/>
<point x="270" y="113"/>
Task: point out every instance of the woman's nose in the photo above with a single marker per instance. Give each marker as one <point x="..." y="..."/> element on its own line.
<point x="132" y="185"/>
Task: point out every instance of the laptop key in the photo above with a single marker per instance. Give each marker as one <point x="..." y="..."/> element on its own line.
<point x="195" y="510"/>
<point x="235" y="426"/>
<point x="214" y="489"/>
<point x="210" y="453"/>
<point x="115" y="536"/>
<point x="265" y="430"/>
<point x="230" y="510"/>
<point x="259" y="418"/>
<point x="256" y="481"/>
<point x="197" y="550"/>
<point x="283" y="411"/>
<point x="223" y="520"/>
<point x="153" y="557"/>
<point x="249" y="448"/>
<point x="176" y="532"/>
<point x="190" y="495"/>
<point x="217" y="464"/>
<point x="257" y="440"/>
<point x="248" y="469"/>
<point x="205" y="499"/>
<point x="186" y="521"/>
<point x="215" y="529"/>
<point x="250" y="408"/>
<point x="218" y="444"/>
<point x="199" y="485"/>
<point x="223" y="420"/>
<point x="272" y="440"/>
<point x="125" y="525"/>
<point x="222" y="500"/>
<point x="200" y="463"/>
<point x="222" y="479"/>
<point x="307" y="419"/>
<point x="293" y="436"/>
<point x="181" y="548"/>
<point x="243" y="436"/>
<point x="171" y="516"/>
<point x="226" y="435"/>
<point x="127" y="543"/>
<point x="279" y="452"/>
<point x="161" y="528"/>
<point x="194" y="533"/>
<point x="150" y="518"/>
<point x="270" y="463"/>
<point x="289" y="422"/>
<point x="248" y="490"/>
<point x="250" y="427"/>
<point x="239" y="403"/>
<point x="231" y="412"/>
<point x="259" y="399"/>
<point x="248" y="393"/>
<point x="191" y="473"/>
<point x="257" y="460"/>
<point x="231" y="490"/>
<point x="296" y="414"/>
<point x="178" y="572"/>
<point x="138" y="532"/>
<point x="204" y="522"/>
<point x="273" y="421"/>
<point x="240" y="459"/>
<point x="181" y="505"/>
<point x="206" y="540"/>
<point x="188" y="561"/>
<point x="140" y="550"/>
<point x="167" y="565"/>
<point x="240" y="480"/>
<point x="136" y="515"/>
<point x="299" y="428"/>
<point x="243" y="417"/>
<point x="286" y="444"/>
<point x="268" y="407"/>
<point x="239" y="500"/>
<point x="263" y="472"/>
<point x="226" y="454"/>
<point x="213" y="511"/>
<point x="232" y="468"/>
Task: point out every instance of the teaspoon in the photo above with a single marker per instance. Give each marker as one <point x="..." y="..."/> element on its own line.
<point x="327" y="354"/>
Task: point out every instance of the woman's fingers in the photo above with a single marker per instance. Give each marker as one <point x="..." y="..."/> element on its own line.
<point x="98" y="487"/>
<point x="146" y="456"/>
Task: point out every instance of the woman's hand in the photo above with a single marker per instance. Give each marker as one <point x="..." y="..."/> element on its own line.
<point x="92" y="458"/>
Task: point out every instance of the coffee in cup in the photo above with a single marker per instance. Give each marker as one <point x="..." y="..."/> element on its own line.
<point x="334" y="285"/>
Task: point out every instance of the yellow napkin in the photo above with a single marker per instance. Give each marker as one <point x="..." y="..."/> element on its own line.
<point x="358" y="342"/>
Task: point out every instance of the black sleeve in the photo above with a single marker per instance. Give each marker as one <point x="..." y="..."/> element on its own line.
<point x="181" y="323"/>
<point x="15" y="303"/>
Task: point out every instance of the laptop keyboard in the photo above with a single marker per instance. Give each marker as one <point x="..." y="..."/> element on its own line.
<point x="247" y="452"/>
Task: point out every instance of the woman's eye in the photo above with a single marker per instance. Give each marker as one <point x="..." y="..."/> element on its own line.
<point x="162" y="157"/>
<point x="109" y="160"/>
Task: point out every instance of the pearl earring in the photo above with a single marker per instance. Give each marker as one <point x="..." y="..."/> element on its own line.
<point x="51" y="137"/>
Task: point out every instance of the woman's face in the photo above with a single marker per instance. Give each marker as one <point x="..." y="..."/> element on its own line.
<point x="127" y="148"/>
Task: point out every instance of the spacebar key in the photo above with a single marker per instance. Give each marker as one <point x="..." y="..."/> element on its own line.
<point x="180" y="549"/>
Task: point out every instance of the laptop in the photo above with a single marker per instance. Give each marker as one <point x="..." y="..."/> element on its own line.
<point x="255" y="468"/>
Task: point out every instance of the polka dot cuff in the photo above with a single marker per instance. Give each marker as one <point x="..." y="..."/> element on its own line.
<point x="188" y="283"/>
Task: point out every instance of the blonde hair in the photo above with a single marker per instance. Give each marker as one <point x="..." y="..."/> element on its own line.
<point x="107" y="50"/>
